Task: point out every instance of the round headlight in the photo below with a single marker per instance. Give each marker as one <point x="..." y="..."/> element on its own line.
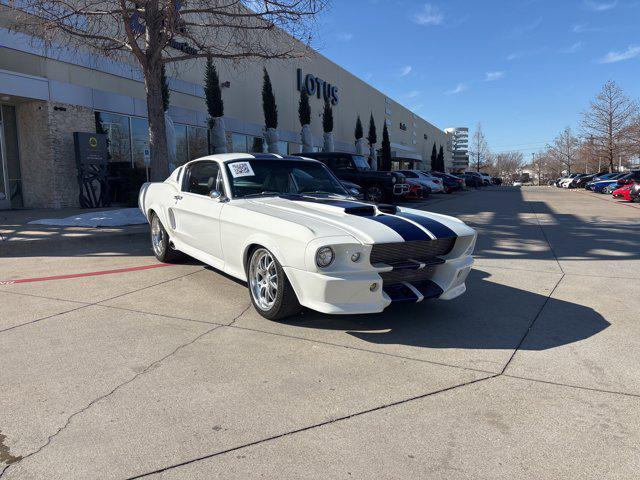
<point x="324" y="257"/>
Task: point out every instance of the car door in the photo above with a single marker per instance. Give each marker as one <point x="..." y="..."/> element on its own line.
<point x="197" y="213"/>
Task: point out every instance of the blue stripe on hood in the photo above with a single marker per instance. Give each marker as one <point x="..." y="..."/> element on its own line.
<point x="438" y="229"/>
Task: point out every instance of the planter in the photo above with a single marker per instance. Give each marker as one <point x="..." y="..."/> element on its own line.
<point x="374" y="157"/>
<point x="307" y="138"/>
<point x="328" y="142"/>
<point x="271" y="136"/>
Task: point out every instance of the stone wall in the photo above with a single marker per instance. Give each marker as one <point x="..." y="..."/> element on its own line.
<point x="47" y="159"/>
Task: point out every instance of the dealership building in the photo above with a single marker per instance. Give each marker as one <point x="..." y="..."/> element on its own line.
<point x="47" y="95"/>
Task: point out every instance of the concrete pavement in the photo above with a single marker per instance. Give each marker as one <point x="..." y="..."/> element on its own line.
<point x="168" y="372"/>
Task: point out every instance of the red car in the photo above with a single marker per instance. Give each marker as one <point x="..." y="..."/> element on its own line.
<point x="624" y="192"/>
<point x="416" y="191"/>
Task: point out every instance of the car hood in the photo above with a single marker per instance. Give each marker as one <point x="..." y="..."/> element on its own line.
<point x="365" y="222"/>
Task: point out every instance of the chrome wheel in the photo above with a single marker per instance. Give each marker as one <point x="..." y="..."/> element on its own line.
<point x="263" y="279"/>
<point x="375" y="194"/>
<point x="157" y="237"/>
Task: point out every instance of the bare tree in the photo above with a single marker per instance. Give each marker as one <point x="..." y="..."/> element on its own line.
<point x="608" y="119"/>
<point x="507" y="164"/>
<point x="159" y="32"/>
<point x="564" y="149"/>
<point x="479" y="149"/>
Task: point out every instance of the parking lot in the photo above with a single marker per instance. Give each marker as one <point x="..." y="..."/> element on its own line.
<point x="168" y="372"/>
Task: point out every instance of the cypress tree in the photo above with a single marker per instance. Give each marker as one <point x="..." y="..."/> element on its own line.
<point x="358" y="131"/>
<point x="269" y="102"/>
<point x="304" y="109"/>
<point x="372" y="136"/>
<point x="166" y="94"/>
<point x="441" y="160"/>
<point x="386" y="149"/>
<point x="212" y="92"/>
<point x="327" y="118"/>
<point x="434" y="158"/>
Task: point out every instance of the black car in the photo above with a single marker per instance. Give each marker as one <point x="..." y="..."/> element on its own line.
<point x="450" y="182"/>
<point x="472" y="179"/>
<point x="378" y="186"/>
<point x="581" y="180"/>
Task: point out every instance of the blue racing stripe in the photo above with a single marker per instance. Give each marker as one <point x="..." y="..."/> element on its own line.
<point x="438" y="229"/>
<point x="408" y="231"/>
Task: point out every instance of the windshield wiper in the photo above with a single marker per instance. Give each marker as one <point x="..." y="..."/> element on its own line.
<point x="266" y="192"/>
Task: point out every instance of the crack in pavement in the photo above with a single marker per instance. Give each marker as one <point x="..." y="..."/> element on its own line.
<point x="310" y="427"/>
<point x="118" y="387"/>
<point x="85" y="305"/>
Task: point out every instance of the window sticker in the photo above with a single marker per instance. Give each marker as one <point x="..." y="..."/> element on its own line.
<point x="241" y="169"/>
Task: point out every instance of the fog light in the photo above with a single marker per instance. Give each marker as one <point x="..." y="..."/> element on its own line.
<point x="355" y="257"/>
<point x="324" y="257"/>
<point x="373" y="287"/>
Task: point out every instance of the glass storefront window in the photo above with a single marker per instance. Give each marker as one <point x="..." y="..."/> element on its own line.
<point x="239" y="143"/>
<point x="139" y="140"/>
<point x="198" y="143"/>
<point x="11" y="159"/>
<point x="118" y="132"/>
<point x="182" y="147"/>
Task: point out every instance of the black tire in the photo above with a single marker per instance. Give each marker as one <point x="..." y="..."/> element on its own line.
<point x="286" y="302"/>
<point x="374" y="193"/>
<point x="160" y="242"/>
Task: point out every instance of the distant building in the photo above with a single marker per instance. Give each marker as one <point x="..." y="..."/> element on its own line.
<point x="458" y="146"/>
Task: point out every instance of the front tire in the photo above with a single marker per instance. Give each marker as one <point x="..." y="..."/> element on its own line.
<point x="374" y="194"/>
<point x="271" y="293"/>
<point x="160" y="243"/>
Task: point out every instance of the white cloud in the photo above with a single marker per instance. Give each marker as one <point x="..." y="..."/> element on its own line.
<point x="600" y="6"/>
<point x="585" y="28"/>
<point x="345" y="36"/>
<point x="406" y="70"/>
<point x="493" y="76"/>
<point x="461" y="87"/>
<point x="429" y="15"/>
<point x="632" y="51"/>
<point x="572" y="49"/>
<point x="513" y="56"/>
<point x="413" y="93"/>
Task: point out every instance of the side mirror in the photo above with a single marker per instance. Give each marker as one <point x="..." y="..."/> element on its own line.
<point x="354" y="191"/>
<point x="215" y="194"/>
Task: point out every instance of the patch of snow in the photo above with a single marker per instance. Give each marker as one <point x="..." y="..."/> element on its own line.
<point x="107" y="218"/>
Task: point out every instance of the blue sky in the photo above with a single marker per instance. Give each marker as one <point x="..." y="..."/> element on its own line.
<point x="524" y="68"/>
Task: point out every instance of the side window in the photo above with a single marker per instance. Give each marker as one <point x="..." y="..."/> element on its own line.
<point x="202" y="178"/>
<point x="343" y="163"/>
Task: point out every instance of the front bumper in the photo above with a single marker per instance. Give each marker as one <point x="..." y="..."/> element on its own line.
<point x="364" y="292"/>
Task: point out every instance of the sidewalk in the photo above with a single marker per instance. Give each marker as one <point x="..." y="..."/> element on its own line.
<point x="17" y="237"/>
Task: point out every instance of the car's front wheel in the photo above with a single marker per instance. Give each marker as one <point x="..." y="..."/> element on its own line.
<point x="271" y="293"/>
<point x="374" y="194"/>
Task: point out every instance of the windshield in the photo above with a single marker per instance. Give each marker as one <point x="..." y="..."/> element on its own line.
<point x="361" y="162"/>
<point x="273" y="177"/>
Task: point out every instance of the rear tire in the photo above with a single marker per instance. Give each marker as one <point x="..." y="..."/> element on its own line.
<point x="374" y="194"/>
<point x="271" y="292"/>
<point x="160" y="242"/>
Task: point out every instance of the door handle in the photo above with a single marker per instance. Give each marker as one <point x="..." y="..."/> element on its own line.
<point x="178" y="197"/>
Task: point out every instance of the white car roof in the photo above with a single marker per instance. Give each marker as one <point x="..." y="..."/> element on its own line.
<point x="227" y="157"/>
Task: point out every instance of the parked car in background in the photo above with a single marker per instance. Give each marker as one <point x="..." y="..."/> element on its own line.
<point x="287" y="227"/>
<point x="425" y="179"/>
<point x="634" y="193"/>
<point x="562" y="180"/>
<point x="496" y="180"/>
<point x="630" y="177"/>
<point x="517" y="183"/>
<point x="451" y="183"/>
<point x="601" y="178"/>
<point x="581" y="181"/>
<point x="485" y="178"/>
<point x="416" y="190"/>
<point x="623" y="192"/>
<point x="566" y="182"/>
<point x="598" y="187"/>
<point x="473" y="179"/>
<point x="378" y="186"/>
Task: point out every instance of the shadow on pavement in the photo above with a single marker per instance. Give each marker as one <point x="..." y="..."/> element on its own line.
<point x="488" y="316"/>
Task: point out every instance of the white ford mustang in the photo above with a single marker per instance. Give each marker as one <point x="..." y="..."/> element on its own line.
<point x="287" y="227"/>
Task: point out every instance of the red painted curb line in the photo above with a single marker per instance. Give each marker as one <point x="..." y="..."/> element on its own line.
<point x="87" y="274"/>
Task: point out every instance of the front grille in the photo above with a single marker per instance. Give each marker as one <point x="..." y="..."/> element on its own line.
<point x="419" y="250"/>
<point x="411" y="276"/>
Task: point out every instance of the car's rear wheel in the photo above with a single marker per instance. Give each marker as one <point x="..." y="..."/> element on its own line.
<point x="374" y="193"/>
<point x="271" y="293"/>
<point x="160" y="242"/>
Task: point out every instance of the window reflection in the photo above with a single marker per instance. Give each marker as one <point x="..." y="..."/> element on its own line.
<point x="198" y="144"/>
<point x="140" y="140"/>
<point x="182" y="147"/>
<point x="117" y="129"/>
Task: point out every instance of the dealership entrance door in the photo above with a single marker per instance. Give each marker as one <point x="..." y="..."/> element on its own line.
<point x="10" y="183"/>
